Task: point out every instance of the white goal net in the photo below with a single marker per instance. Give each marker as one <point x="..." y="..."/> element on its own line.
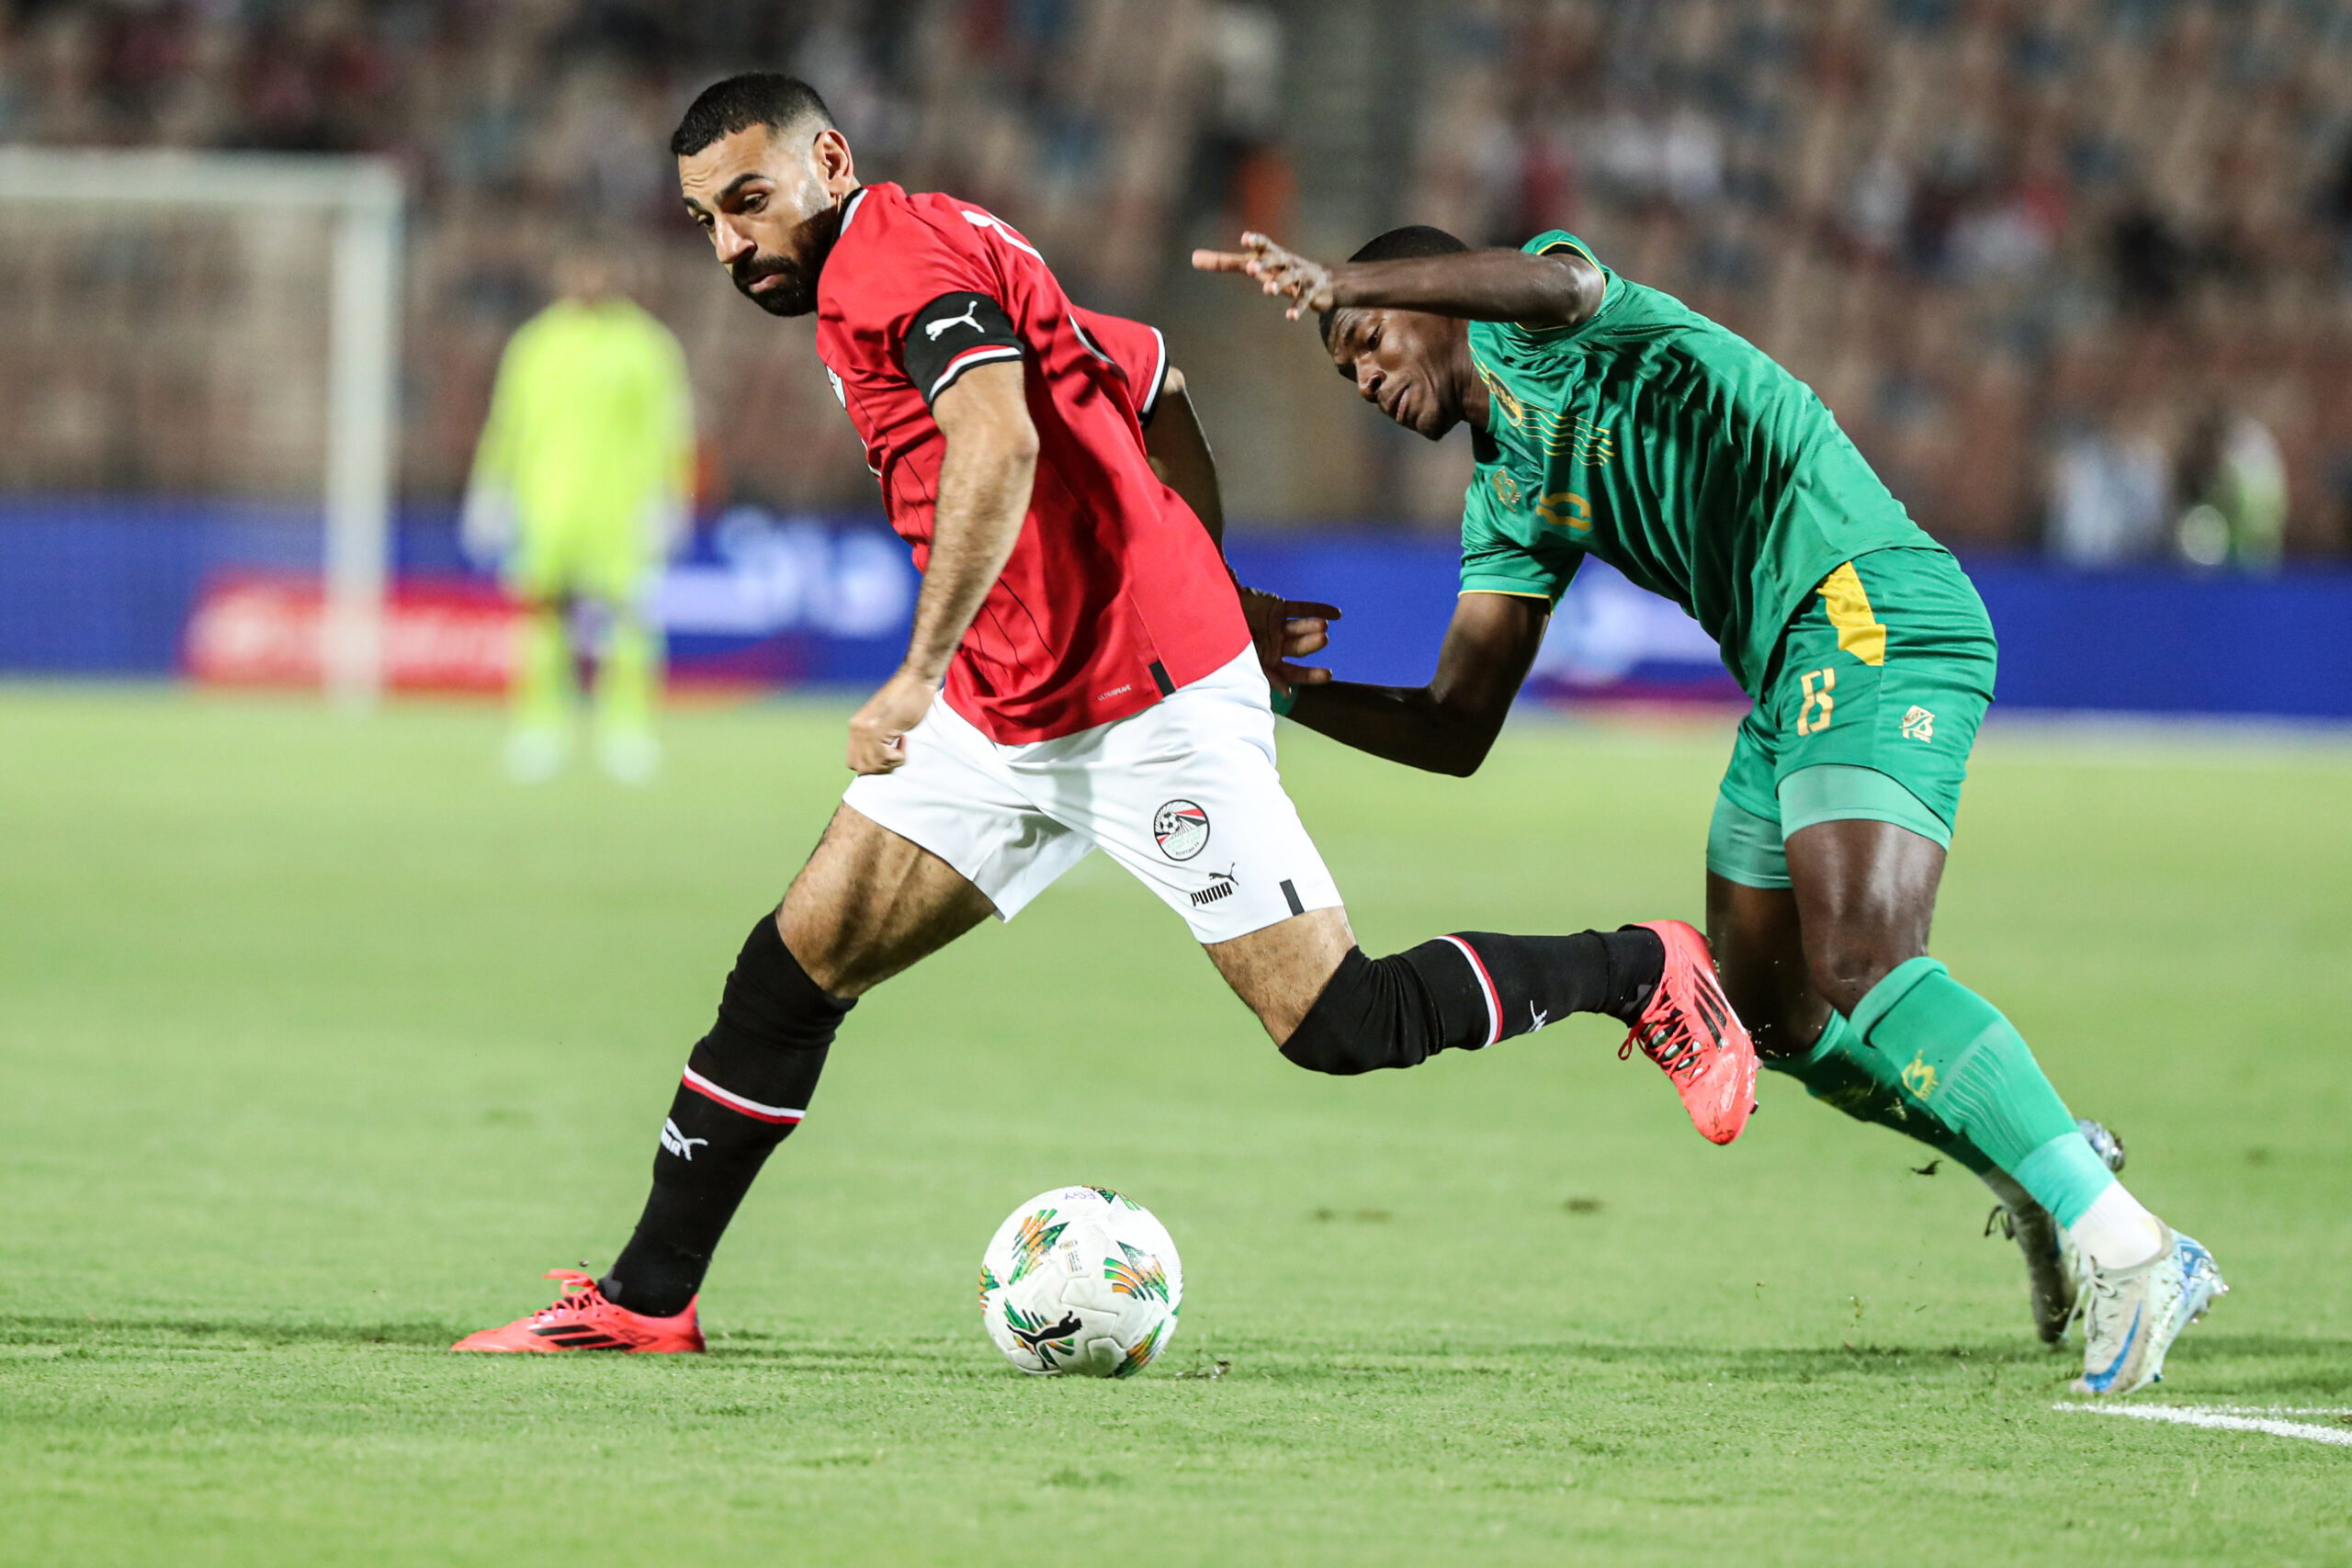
<point x="212" y="325"/>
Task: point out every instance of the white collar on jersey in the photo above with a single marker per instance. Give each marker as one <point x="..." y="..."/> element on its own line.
<point x="850" y="211"/>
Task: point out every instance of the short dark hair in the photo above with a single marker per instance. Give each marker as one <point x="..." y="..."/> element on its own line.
<point x="757" y="97"/>
<point x="1397" y="244"/>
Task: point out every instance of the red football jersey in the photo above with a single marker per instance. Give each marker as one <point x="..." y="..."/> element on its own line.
<point x="1115" y="595"/>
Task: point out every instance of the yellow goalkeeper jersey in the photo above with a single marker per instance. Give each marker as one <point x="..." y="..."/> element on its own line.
<point x="591" y="421"/>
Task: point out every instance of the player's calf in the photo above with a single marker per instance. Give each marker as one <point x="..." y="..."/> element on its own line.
<point x="745" y="1087"/>
<point x="1474" y="988"/>
<point x="1468" y="992"/>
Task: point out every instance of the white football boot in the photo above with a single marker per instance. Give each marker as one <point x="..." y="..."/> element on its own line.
<point x="2131" y="1316"/>
<point x="2054" y="1270"/>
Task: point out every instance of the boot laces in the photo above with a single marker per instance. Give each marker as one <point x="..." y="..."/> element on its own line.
<point x="2099" y="1292"/>
<point x="580" y="1293"/>
<point x="1670" y="1042"/>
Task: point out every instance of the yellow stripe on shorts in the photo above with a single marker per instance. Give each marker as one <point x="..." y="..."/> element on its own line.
<point x="1858" y="632"/>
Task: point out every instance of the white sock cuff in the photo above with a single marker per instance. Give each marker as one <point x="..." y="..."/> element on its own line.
<point x="2118" y="1231"/>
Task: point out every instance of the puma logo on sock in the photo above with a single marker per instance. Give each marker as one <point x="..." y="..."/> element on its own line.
<point x="677" y="1143"/>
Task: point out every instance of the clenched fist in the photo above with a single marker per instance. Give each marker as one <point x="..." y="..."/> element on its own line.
<point x="877" y="732"/>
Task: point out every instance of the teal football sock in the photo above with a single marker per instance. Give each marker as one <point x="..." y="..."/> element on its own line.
<point x="1957" y="1060"/>
<point x="1843" y="1071"/>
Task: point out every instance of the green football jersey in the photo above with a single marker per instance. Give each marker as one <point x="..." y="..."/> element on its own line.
<point x="1676" y="451"/>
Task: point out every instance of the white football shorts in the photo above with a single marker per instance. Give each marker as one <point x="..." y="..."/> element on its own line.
<point x="1184" y="795"/>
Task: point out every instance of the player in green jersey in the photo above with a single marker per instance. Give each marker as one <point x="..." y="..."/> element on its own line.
<point x="1610" y="420"/>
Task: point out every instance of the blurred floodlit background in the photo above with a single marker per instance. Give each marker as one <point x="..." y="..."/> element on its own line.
<point x="2074" y="274"/>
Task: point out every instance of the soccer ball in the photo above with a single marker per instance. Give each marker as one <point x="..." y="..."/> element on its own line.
<point x="1082" y="1279"/>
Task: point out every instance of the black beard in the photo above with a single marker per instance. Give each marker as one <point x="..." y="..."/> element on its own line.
<point x="788" y="296"/>
<point x="795" y="294"/>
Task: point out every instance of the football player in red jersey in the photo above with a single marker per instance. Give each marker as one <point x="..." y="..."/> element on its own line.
<point x="1080" y="676"/>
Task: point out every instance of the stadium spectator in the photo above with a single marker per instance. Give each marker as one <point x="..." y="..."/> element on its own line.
<point x="2235" y="484"/>
<point x="2108" y="496"/>
<point x="1817" y="176"/>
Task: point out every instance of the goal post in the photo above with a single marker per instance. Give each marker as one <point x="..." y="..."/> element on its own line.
<point x="362" y="199"/>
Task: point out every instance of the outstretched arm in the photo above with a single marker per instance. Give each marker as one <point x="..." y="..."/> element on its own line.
<point x="1558" y="289"/>
<point x="1448" y="726"/>
<point x="984" y="481"/>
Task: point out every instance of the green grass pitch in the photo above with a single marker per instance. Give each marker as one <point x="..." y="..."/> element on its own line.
<point x="318" y="1043"/>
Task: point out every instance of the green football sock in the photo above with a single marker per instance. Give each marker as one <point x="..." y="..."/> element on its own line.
<point x="543" y="678"/>
<point x="1956" y="1058"/>
<point x="629" y="676"/>
<point x="1843" y="1071"/>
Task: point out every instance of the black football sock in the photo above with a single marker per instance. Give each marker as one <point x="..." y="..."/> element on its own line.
<point x="1521" y="983"/>
<point x="1468" y="991"/>
<point x="745" y="1087"/>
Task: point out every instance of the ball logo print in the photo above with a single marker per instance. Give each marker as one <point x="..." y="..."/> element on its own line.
<point x="1180" y="828"/>
<point x="1082" y="1279"/>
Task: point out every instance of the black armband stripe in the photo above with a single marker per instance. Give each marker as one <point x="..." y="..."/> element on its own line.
<point x="964" y="361"/>
<point x="953" y="334"/>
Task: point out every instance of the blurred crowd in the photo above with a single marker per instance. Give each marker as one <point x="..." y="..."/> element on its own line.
<point x="528" y="129"/>
<point x="2073" y="272"/>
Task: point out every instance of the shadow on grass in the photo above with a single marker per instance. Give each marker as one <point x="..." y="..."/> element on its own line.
<point x="2235" y="1365"/>
<point x="2247" y="1362"/>
<point x="2281" y="1364"/>
<point x="89" y="1332"/>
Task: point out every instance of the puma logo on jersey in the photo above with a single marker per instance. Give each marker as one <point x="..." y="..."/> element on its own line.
<point x="676" y="1142"/>
<point x="1222" y="886"/>
<point x="970" y="318"/>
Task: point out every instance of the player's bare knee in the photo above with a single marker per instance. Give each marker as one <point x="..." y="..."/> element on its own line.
<point x="1349" y="1029"/>
<point x="1845" y="971"/>
<point x="821" y="960"/>
<point x="1280" y="971"/>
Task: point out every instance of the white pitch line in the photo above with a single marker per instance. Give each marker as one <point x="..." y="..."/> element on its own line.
<point x="2219" y="1421"/>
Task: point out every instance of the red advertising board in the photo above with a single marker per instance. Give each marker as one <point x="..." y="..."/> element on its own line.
<point x="266" y="630"/>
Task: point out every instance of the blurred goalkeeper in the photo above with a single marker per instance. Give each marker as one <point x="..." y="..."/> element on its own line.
<point x="580" y="489"/>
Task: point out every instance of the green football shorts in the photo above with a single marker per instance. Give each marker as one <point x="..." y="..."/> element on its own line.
<point x="1870" y="708"/>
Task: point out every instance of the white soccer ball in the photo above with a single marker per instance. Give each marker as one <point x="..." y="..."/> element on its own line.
<point x="1082" y="1279"/>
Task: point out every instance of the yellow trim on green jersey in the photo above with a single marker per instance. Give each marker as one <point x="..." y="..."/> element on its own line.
<point x="1570" y="242"/>
<point x="1679" y="453"/>
<point x="1848" y="605"/>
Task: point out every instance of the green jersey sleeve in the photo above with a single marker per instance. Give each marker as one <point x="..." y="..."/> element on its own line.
<point x="1546" y="243"/>
<point x="1504" y="549"/>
